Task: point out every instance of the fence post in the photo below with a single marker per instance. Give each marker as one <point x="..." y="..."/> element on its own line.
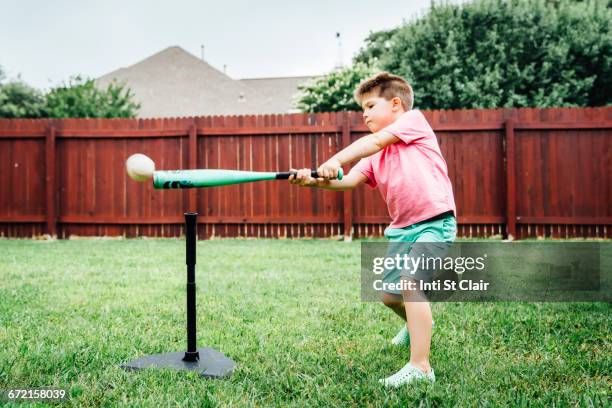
<point x="510" y="159"/>
<point x="347" y="196"/>
<point x="51" y="189"/>
<point x="193" y="163"/>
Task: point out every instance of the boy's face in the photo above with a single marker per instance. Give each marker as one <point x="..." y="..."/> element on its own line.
<point x="378" y="112"/>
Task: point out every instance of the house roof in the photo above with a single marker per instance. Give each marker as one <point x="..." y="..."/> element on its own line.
<point x="174" y="82"/>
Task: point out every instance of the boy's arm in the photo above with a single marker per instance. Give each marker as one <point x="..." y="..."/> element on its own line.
<point x="351" y="180"/>
<point x="363" y="147"/>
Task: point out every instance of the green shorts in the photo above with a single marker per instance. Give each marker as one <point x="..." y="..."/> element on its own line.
<point x="419" y="241"/>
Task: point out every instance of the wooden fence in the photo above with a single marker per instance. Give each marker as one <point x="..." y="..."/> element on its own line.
<point x="517" y="172"/>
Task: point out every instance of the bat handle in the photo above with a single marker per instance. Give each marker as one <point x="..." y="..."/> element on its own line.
<point x="313" y="174"/>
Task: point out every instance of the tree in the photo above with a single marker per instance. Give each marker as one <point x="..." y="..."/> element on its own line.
<point x="376" y="44"/>
<point x="80" y="98"/>
<point x="333" y="92"/>
<point x="499" y="53"/>
<point x="18" y="100"/>
<point x="493" y="53"/>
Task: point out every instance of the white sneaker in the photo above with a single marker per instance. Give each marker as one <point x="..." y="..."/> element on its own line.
<point x="408" y="374"/>
<point x="402" y="338"/>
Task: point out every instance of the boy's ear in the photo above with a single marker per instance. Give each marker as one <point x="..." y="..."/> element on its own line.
<point x="396" y="103"/>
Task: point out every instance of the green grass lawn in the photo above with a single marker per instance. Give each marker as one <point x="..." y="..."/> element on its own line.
<point x="289" y="312"/>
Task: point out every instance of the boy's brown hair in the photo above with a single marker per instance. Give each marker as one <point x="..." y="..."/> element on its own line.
<point x="388" y="86"/>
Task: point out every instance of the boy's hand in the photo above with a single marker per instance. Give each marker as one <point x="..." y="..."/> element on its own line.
<point x="329" y="169"/>
<point x="303" y="178"/>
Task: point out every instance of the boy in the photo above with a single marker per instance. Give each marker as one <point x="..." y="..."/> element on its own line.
<point x="402" y="158"/>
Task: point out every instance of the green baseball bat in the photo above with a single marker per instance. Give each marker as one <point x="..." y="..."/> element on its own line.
<point x="167" y="179"/>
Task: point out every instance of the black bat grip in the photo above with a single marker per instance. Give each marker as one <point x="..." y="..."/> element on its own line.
<point x="285" y="175"/>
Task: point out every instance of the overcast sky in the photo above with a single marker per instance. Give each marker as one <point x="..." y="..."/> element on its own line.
<point x="49" y="41"/>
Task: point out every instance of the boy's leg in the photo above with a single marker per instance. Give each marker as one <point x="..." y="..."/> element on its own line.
<point x="395" y="303"/>
<point x="433" y="240"/>
<point x="419" y="328"/>
<point x="418" y="309"/>
<point x="419" y="322"/>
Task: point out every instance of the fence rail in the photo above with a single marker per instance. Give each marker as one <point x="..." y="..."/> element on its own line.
<point x="515" y="172"/>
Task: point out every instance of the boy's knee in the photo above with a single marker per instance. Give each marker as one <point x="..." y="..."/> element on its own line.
<point x="412" y="295"/>
<point x="391" y="300"/>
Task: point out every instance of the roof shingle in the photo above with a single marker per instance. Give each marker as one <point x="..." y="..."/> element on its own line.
<point x="174" y="83"/>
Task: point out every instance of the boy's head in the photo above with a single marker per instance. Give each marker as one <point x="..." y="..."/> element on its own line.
<point x="383" y="97"/>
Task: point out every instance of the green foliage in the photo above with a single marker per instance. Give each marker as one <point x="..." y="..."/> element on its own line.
<point x="18" y="100"/>
<point x="333" y="92"/>
<point x="494" y="53"/>
<point x="376" y="44"/>
<point x="80" y="98"/>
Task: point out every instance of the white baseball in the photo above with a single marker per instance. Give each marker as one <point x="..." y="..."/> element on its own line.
<point x="139" y="167"/>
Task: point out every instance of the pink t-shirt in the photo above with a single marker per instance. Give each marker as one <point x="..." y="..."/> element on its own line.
<point x="411" y="174"/>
